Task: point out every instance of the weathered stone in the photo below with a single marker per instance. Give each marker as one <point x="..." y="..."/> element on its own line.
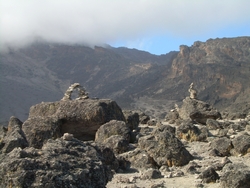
<point x="192" y="91"/>
<point x="209" y="175"/>
<point x="241" y="144"/>
<point x="82" y="94"/>
<point x="117" y="143"/>
<point x="172" y="116"/>
<point x="213" y="124"/>
<point x="197" y="110"/>
<point x="131" y="119"/>
<point x="151" y="174"/>
<point x="188" y="131"/>
<point x="81" y="118"/>
<point x="235" y="175"/>
<point x="139" y="159"/>
<point x="152" y="122"/>
<point x="165" y="148"/>
<point x="222" y="145"/>
<point x="111" y="128"/>
<point x="14" y="137"/>
<point x="59" y="163"/>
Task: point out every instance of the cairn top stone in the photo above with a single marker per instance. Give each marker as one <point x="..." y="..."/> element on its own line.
<point x="192" y="91"/>
<point x="82" y="94"/>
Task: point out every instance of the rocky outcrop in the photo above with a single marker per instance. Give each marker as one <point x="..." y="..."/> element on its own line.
<point x="165" y="148"/>
<point x="14" y="137"/>
<point x="82" y="118"/>
<point x="196" y="110"/>
<point x="59" y="163"/>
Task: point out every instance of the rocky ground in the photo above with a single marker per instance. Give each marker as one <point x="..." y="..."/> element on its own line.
<point x="89" y="143"/>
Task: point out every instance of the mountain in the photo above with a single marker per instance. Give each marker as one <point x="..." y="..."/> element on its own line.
<point x="219" y="69"/>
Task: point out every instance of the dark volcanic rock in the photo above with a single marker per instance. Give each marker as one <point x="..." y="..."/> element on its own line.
<point x="235" y="175"/>
<point x="81" y="118"/>
<point x="222" y="145"/>
<point x="209" y="175"/>
<point x="242" y="144"/>
<point x="165" y="148"/>
<point x="197" y="110"/>
<point x="213" y="124"/>
<point x="132" y="119"/>
<point x="188" y="131"/>
<point x="59" y="163"/>
<point x="14" y="137"/>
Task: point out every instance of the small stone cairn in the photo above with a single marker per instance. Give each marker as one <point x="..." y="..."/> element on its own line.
<point x="192" y="91"/>
<point x="82" y="94"/>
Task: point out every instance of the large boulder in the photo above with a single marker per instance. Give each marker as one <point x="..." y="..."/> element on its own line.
<point x="241" y="144"/>
<point x="59" y="163"/>
<point x="235" y="175"/>
<point x="222" y="146"/>
<point x="82" y="118"/>
<point x="14" y="137"/>
<point x="165" y="148"/>
<point x="199" y="111"/>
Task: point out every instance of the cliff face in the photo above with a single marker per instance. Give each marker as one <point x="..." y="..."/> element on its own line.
<point x="219" y="68"/>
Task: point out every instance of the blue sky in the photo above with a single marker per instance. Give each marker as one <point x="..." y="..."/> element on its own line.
<point x="156" y="26"/>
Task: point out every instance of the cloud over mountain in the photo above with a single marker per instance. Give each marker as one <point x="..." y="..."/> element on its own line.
<point x="97" y="22"/>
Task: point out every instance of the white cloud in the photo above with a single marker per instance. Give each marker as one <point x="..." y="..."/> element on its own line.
<point x="99" y="21"/>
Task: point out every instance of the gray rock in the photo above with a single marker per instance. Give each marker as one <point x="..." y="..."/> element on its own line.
<point x="58" y="163"/>
<point x="14" y="137"/>
<point x="117" y="143"/>
<point x="81" y="118"/>
<point x="222" y="145"/>
<point x="235" y="175"/>
<point x="188" y="131"/>
<point x="242" y="144"/>
<point x="209" y="175"/>
<point x="151" y="174"/>
<point x="213" y="124"/>
<point x="131" y="119"/>
<point x="111" y="128"/>
<point x="165" y="148"/>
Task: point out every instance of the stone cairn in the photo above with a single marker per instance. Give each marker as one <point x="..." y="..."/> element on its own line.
<point x="192" y="91"/>
<point x="82" y="94"/>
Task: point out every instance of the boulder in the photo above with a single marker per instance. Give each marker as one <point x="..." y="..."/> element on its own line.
<point x="209" y="175"/>
<point x="150" y="174"/>
<point x="222" y="145"/>
<point x="132" y="119"/>
<point x="235" y="175"/>
<point x="59" y="163"/>
<point x="111" y="128"/>
<point x="188" y="131"/>
<point x="212" y="124"/>
<point x="241" y="144"/>
<point x="117" y="143"/>
<point x="199" y="111"/>
<point x="14" y="137"/>
<point x="165" y="148"/>
<point x="82" y="118"/>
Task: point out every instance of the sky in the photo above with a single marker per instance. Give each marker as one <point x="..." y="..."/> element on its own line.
<point x="156" y="26"/>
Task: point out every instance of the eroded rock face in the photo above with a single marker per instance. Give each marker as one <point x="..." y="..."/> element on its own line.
<point x="82" y="118"/>
<point x="165" y="148"/>
<point x="58" y="163"/>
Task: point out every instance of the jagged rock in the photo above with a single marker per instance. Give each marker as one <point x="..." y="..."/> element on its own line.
<point x="172" y="116"/>
<point x="235" y="175"/>
<point x="151" y="174"/>
<point x="213" y="124"/>
<point x="197" y="110"/>
<point x="59" y="163"/>
<point x="117" y="143"/>
<point x="241" y="144"/>
<point x="14" y="137"/>
<point x="139" y="159"/>
<point x="143" y="118"/>
<point x="81" y="118"/>
<point x="132" y="119"/>
<point x="209" y="175"/>
<point x="165" y="148"/>
<point x="188" y="131"/>
<point x="222" y="145"/>
<point x="111" y="128"/>
<point x="3" y="131"/>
